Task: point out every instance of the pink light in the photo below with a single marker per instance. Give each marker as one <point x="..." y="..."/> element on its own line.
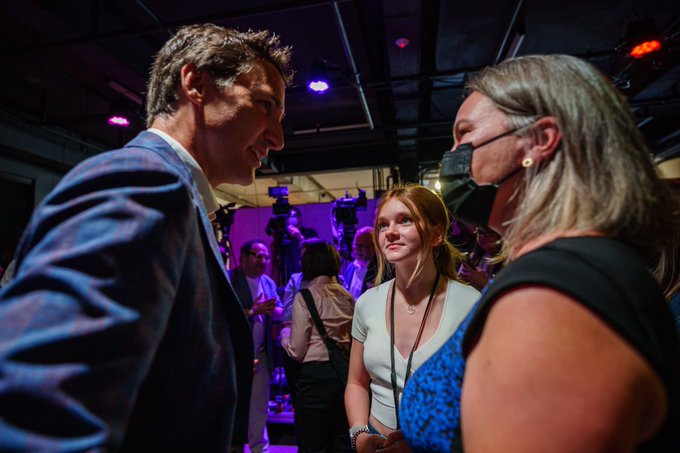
<point x="402" y="42"/>
<point x="118" y="121"/>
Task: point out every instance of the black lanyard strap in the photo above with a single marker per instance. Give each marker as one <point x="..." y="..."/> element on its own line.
<point x="393" y="372"/>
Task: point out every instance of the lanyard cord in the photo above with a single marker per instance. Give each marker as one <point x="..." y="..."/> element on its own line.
<point x="393" y="372"/>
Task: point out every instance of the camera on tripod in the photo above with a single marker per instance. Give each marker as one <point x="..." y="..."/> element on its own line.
<point x="278" y="223"/>
<point x="345" y="219"/>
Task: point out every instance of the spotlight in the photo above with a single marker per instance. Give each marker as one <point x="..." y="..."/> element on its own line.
<point x="318" y="81"/>
<point x="645" y="48"/>
<point x="402" y="42"/>
<point x="118" y="121"/>
<point x="118" y="114"/>
<point x="643" y="38"/>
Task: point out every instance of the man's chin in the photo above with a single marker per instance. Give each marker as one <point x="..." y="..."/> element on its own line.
<point x="246" y="180"/>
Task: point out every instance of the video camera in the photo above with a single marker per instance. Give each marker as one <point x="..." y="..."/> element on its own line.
<point x="344" y="214"/>
<point x="278" y="223"/>
<point x="225" y="219"/>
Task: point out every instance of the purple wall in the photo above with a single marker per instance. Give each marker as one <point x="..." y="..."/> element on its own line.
<point x="250" y="223"/>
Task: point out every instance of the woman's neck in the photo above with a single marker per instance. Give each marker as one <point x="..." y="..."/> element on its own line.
<point x="421" y="285"/>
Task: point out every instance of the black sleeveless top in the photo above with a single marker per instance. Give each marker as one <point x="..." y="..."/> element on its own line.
<point x="611" y="280"/>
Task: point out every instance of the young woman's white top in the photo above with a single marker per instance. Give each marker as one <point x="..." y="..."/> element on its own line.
<point x="370" y="328"/>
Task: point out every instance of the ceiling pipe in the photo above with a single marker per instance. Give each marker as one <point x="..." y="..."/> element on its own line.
<point x="353" y="65"/>
<point x="254" y="11"/>
<point x="515" y="30"/>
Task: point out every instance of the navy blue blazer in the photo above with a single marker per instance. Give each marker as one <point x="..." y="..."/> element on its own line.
<point x="121" y="330"/>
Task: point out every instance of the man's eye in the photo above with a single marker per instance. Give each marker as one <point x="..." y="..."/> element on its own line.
<point x="267" y="105"/>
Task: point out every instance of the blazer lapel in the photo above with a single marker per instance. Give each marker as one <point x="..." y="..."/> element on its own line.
<point x="155" y="143"/>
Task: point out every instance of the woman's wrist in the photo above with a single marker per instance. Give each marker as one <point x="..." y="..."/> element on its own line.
<point x="354" y="433"/>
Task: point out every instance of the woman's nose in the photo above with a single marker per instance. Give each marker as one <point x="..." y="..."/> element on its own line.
<point x="390" y="231"/>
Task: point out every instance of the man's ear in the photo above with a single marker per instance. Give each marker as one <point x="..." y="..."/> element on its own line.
<point x="437" y="236"/>
<point x="545" y="140"/>
<point x="193" y="83"/>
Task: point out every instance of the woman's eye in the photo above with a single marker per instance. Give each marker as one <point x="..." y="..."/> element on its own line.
<point x="406" y="221"/>
<point x="382" y="226"/>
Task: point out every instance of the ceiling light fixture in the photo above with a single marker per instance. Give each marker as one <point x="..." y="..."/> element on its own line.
<point x="402" y="42"/>
<point x="118" y="116"/>
<point x="318" y="81"/>
<point x="118" y="121"/>
<point x="645" y="48"/>
<point x="643" y="38"/>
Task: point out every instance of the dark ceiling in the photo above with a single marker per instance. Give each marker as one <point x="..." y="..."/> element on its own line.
<point x="64" y="63"/>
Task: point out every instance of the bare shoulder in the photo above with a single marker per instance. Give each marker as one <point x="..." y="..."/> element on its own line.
<point x="547" y="374"/>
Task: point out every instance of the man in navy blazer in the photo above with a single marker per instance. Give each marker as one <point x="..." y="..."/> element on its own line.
<point x="121" y="330"/>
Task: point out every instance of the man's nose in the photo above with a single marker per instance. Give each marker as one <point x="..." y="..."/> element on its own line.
<point x="274" y="135"/>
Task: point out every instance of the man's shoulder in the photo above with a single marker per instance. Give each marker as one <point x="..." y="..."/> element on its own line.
<point x="309" y="232"/>
<point x="235" y="273"/>
<point x="141" y="156"/>
<point x="266" y="278"/>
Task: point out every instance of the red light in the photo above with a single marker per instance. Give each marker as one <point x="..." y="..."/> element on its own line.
<point x="646" y="47"/>
<point x="402" y="42"/>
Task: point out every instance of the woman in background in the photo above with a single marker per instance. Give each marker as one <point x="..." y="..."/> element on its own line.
<point x="320" y="420"/>
<point x="400" y="323"/>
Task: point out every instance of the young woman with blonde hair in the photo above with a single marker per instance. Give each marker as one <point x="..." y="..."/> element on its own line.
<point x="401" y="322"/>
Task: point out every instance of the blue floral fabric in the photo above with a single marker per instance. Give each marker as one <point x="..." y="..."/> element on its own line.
<point x="429" y="412"/>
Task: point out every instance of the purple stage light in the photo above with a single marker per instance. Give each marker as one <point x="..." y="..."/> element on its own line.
<point x="118" y="121"/>
<point x="318" y="86"/>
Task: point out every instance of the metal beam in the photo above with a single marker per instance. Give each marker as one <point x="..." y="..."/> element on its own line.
<point x="123" y="34"/>
<point x="350" y="59"/>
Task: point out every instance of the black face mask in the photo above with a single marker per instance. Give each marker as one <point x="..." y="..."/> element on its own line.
<point x="468" y="201"/>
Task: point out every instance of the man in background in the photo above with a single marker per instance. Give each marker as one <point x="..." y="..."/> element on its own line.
<point x="120" y="330"/>
<point x="262" y="306"/>
<point x="287" y="251"/>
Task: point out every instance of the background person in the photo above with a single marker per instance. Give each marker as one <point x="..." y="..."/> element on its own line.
<point x="483" y="262"/>
<point x="572" y="347"/>
<point x="320" y="420"/>
<point x="407" y="318"/>
<point x="295" y="283"/>
<point x="121" y="312"/>
<point x="262" y="307"/>
<point x="667" y="269"/>
<point x="360" y="273"/>
<point x="286" y="244"/>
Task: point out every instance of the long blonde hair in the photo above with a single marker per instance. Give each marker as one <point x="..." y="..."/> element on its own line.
<point x="601" y="177"/>
<point x="428" y="212"/>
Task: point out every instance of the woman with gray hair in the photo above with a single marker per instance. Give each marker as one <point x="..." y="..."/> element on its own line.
<point x="571" y="347"/>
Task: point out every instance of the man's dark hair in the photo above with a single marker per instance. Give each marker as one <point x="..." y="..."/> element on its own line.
<point x="296" y="210"/>
<point x="320" y="258"/>
<point x="222" y="52"/>
<point x="245" y="248"/>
